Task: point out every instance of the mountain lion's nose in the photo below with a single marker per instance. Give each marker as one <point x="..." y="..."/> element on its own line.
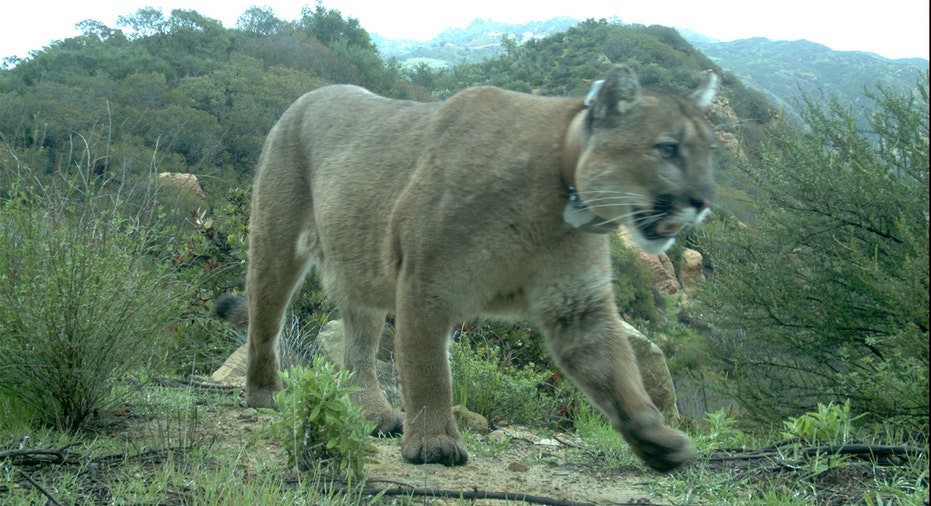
<point x="699" y="204"/>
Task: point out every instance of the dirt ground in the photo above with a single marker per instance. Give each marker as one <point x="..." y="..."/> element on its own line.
<point x="519" y="463"/>
<point x="510" y="466"/>
<point x="526" y="465"/>
<point x="560" y="469"/>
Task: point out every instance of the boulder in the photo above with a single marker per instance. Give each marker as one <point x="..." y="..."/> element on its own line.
<point x="691" y="270"/>
<point x="654" y="372"/>
<point x="233" y="371"/>
<point x="721" y="113"/>
<point x="183" y="181"/>
<point x="470" y="420"/>
<point x="331" y="342"/>
<point x="663" y="272"/>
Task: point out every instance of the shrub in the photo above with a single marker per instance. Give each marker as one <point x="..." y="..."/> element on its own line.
<point x="825" y="297"/>
<point x="81" y="306"/>
<point x="632" y="284"/>
<point x="317" y="424"/>
<point x="498" y="390"/>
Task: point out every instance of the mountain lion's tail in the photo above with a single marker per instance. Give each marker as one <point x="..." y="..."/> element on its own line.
<point x="232" y="309"/>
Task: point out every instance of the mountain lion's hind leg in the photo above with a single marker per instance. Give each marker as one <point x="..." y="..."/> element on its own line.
<point x="276" y="269"/>
<point x="363" y="333"/>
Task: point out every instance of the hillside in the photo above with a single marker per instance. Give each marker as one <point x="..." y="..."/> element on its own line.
<point x="783" y="70"/>
<point x="786" y="70"/>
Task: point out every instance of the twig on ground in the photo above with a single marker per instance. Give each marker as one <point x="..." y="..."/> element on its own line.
<point x="175" y="382"/>
<point x="40" y="488"/>
<point x="780" y="444"/>
<point x="59" y="456"/>
<point x="472" y="495"/>
<point x="33" y="457"/>
<point x="862" y="451"/>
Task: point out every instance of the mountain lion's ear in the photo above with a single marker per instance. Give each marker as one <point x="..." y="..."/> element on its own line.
<point x="704" y="94"/>
<point x="619" y="93"/>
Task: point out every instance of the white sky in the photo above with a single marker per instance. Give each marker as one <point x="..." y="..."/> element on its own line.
<point x="891" y="28"/>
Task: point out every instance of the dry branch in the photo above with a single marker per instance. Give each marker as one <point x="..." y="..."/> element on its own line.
<point x="862" y="451"/>
<point x="472" y="495"/>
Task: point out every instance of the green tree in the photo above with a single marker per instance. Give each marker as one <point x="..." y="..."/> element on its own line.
<point x="329" y="27"/>
<point x="146" y="22"/>
<point x="826" y="297"/>
<point x="259" y="22"/>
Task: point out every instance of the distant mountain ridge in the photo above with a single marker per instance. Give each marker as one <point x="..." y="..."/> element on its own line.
<point x="476" y="42"/>
<point x="784" y="70"/>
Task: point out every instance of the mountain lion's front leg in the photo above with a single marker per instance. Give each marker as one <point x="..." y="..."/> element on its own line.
<point x="430" y="431"/>
<point x="584" y="334"/>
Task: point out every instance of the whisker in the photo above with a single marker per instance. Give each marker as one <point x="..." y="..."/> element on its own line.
<point x="622" y="217"/>
<point x="598" y="199"/>
<point x="595" y="192"/>
<point x="606" y="221"/>
<point x="602" y="206"/>
<point x="652" y="218"/>
<point x="603" y="190"/>
<point x="619" y="200"/>
<point x="607" y="194"/>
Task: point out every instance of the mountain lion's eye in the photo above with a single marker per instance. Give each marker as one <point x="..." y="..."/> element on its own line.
<point x="667" y="150"/>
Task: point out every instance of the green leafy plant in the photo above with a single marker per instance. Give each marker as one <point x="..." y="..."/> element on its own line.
<point x="830" y="424"/>
<point x="722" y="431"/>
<point x="318" y="425"/>
<point x="601" y="439"/>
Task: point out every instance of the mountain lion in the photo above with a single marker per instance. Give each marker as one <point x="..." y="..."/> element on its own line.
<point x="489" y="203"/>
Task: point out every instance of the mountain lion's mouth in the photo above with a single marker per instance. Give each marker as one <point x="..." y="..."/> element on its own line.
<point x="653" y="225"/>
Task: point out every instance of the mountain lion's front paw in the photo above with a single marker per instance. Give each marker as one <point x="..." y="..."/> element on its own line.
<point x="441" y="449"/>
<point x="662" y="448"/>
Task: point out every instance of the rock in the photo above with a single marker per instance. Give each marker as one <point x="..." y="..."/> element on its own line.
<point x="513" y="432"/>
<point x="471" y="421"/>
<point x="183" y="181"/>
<point x="664" y="274"/>
<point x="249" y="415"/>
<point x="654" y="372"/>
<point x="662" y="271"/>
<point x="233" y="371"/>
<point x="720" y="112"/>
<point x="331" y="341"/>
<point x="691" y="270"/>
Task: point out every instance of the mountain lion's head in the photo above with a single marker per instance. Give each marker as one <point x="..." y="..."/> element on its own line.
<point x="644" y="160"/>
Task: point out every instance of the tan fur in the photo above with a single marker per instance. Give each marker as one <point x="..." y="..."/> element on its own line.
<point x="438" y="212"/>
